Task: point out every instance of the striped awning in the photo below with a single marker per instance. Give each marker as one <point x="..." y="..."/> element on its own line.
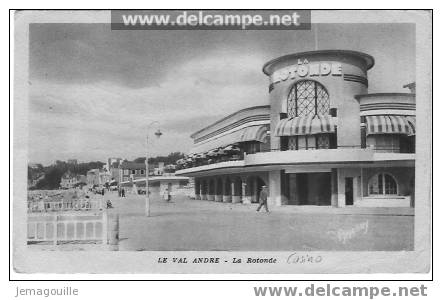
<point x="254" y="133"/>
<point x="251" y="133"/>
<point x="412" y="122"/>
<point x="305" y="125"/>
<point x="391" y="125"/>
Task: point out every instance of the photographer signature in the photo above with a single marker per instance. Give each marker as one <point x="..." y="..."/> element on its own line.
<point x="344" y="235"/>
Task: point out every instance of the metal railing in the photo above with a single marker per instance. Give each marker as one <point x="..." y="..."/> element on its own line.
<point x="389" y="149"/>
<point x="212" y="160"/>
<point x="313" y="148"/>
<point x="241" y="156"/>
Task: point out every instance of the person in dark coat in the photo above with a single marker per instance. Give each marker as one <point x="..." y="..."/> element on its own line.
<point x="263" y="198"/>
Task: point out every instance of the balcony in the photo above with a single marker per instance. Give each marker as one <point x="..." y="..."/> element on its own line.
<point x="310" y="156"/>
<point x="281" y="158"/>
<point x="209" y="160"/>
<point x="338" y="156"/>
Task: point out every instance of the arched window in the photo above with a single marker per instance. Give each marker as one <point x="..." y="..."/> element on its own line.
<point x="382" y="184"/>
<point x="308" y="97"/>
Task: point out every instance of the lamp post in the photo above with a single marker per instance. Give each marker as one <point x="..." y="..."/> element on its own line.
<point x="158" y="134"/>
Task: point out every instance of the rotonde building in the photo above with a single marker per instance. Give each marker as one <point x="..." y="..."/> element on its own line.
<point x="322" y="140"/>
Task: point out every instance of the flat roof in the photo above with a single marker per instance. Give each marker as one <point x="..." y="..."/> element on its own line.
<point x="368" y="58"/>
<point x="229" y="116"/>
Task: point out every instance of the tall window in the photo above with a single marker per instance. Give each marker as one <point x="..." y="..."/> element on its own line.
<point x="323" y="141"/>
<point x="407" y="144"/>
<point x="306" y="98"/>
<point x="252" y="147"/>
<point x="382" y="184"/>
<point x="292" y="143"/>
<point x="304" y="142"/>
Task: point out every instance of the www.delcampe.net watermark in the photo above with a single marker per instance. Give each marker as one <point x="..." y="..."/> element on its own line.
<point x="210" y="20"/>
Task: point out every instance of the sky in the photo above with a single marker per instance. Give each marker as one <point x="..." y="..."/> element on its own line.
<point x="93" y="91"/>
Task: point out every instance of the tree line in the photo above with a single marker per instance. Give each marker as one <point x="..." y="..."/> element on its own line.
<point x="168" y="160"/>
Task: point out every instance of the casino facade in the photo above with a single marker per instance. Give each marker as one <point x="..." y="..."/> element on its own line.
<point x="321" y="140"/>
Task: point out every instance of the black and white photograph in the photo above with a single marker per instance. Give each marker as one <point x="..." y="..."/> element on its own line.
<point x="204" y="141"/>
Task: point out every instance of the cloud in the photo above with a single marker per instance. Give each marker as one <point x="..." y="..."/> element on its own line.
<point x="103" y="119"/>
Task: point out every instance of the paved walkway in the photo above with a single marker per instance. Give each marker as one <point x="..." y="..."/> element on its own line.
<point x="186" y="224"/>
<point x="314" y="209"/>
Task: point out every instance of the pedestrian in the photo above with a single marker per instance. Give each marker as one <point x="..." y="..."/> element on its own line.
<point x="166" y="195"/>
<point x="169" y="195"/>
<point x="102" y="191"/>
<point x="263" y="198"/>
<point x="123" y="193"/>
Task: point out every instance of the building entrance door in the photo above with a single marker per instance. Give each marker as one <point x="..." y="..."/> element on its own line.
<point x="348" y="190"/>
<point x="308" y="188"/>
<point x="302" y="188"/>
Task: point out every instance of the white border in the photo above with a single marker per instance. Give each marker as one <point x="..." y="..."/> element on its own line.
<point x="423" y="64"/>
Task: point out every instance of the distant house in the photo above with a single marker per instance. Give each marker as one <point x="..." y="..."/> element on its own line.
<point x="158" y="169"/>
<point x="114" y="171"/>
<point x="111" y="162"/>
<point x="129" y="170"/>
<point x="97" y="177"/>
<point x="92" y="177"/>
<point x="70" y="180"/>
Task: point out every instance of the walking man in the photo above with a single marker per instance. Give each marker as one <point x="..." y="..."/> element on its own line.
<point x="263" y="198"/>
